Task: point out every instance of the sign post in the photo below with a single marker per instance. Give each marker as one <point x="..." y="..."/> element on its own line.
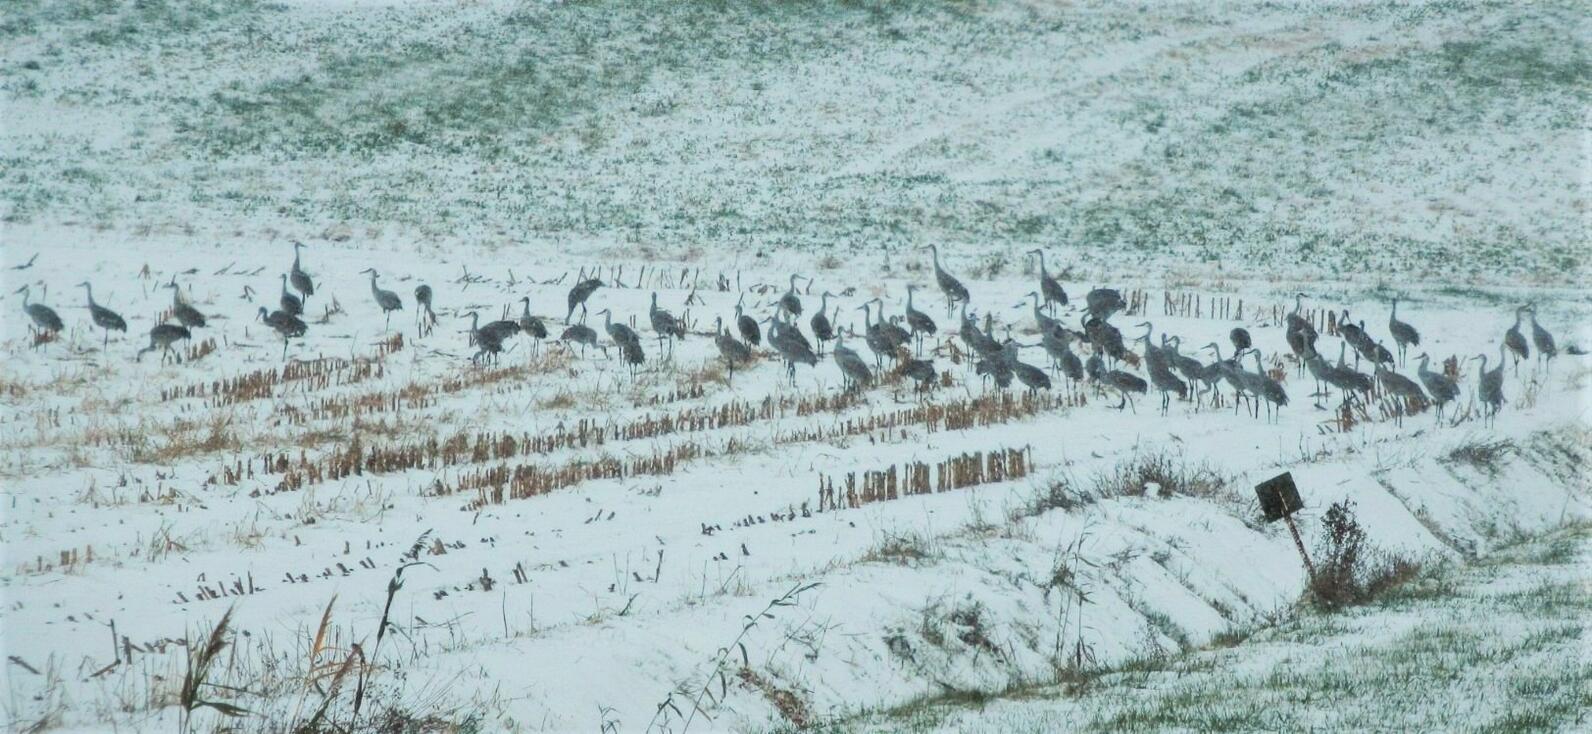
<point x="1279" y="500"/>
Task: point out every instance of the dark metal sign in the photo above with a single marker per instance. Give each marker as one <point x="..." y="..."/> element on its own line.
<point x="1279" y="497"/>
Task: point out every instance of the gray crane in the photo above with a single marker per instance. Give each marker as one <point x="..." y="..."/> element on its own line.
<point x="1490" y="387"/>
<point x="290" y="304"/>
<point x="981" y="343"/>
<point x="162" y="337"/>
<point x="626" y="338"/>
<point x="583" y="335"/>
<point x="186" y="314"/>
<point x="731" y="351"/>
<point x="791" y="302"/>
<point x="1032" y="377"/>
<point x="301" y="280"/>
<point x="922" y="372"/>
<point x="103" y="317"/>
<point x="1058" y="342"/>
<point x="918" y="322"/>
<point x="1104" y="337"/>
<point x="578" y="294"/>
<point x="1516" y="342"/>
<point x="1348" y="379"/>
<point x="791" y="345"/>
<point x="853" y="369"/>
<point x="1126" y="384"/>
<point x="1160" y="370"/>
<point x="1240" y="339"/>
<point x="425" y="318"/>
<point x="532" y="326"/>
<point x="1403" y="389"/>
<point x="1546" y="349"/>
<point x="747" y="325"/>
<point x="1438" y="385"/>
<point x="1265" y="388"/>
<point x="1048" y="286"/>
<point x="488" y="342"/>
<point x="894" y="334"/>
<point x="45" y="319"/>
<point x="285" y="324"/>
<point x="387" y="300"/>
<point x="1101" y="303"/>
<point x="1404" y="335"/>
<point x="875" y="337"/>
<point x="665" y="325"/>
<point x="1372" y="349"/>
<point x="1045" y="323"/>
<point x="996" y="366"/>
<point x="1300" y="333"/>
<point x="823" y="328"/>
<point x="1230" y="372"/>
<point x="953" y="289"/>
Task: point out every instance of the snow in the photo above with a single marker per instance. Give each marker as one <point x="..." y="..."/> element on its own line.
<point x="606" y="595"/>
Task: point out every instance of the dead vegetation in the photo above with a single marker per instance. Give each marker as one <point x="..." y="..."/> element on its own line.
<point x="1159" y="473"/>
<point x="1486" y="456"/>
<point x="1349" y="570"/>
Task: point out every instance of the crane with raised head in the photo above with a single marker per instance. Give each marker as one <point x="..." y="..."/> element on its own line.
<point x="103" y="317"/>
<point x="953" y="289"/>
<point x="289" y="303"/>
<point x="626" y="338"/>
<point x="488" y="342"/>
<point x="1490" y="386"/>
<point x="185" y="313"/>
<point x="1516" y="342"/>
<point x="732" y="351"/>
<point x="300" y="279"/>
<point x="1546" y="349"/>
<point x="1404" y="391"/>
<point x="1265" y="388"/>
<point x="531" y="326"/>
<point x="853" y="370"/>
<point x="823" y="328"/>
<point x="1049" y="287"/>
<point x="1442" y="389"/>
<point x="665" y="325"/>
<point x="747" y="325"/>
<point x="791" y="302"/>
<point x="918" y="322"/>
<point x="45" y="319"/>
<point x="387" y="300"/>
<point x="1404" y="335"/>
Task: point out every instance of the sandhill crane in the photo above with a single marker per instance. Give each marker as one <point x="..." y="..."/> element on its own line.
<point x="1104" y="337"/>
<point x="1264" y="387"/>
<point x="626" y="338"/>
<point x="731" y="351"/>
<point x="1347" y="379"/>
<point x="425" y="318"/>
<point x="186" y="315"/>
<point x="1160" y="371"/>
<point x="1193" y="370"/>
<point x="877" y="340"/>
<point x="162" y="337"/>
<point x="1403" y="389"/>
<point x="1546" y="349"/>
<point x="583" y="335"/>
<point x="1101" y="303"/>
<point x="996" y="366"/>
<point x="1490" y="387"/>
<point x="1126" y="384"/>
<point x="501" y="330"/>
<point x="532" y="326"/>
<point x="922" y="372"/>
<point x="665" y="325"/>
<point x="894" y="335"/>
<point x="791" y="345"/>
<point x="1320" y="370"/>
<point x="918" y="322"/>
<point x="45" y="319"/>
<point x="791" y="302"/>
<point x="285" y="324"/>
<point x="1070" y="365"/>
<point x="488" y="342"/>
<point x="1300" y="333"/>
<point x="823" y="329"/>
<point x="1032" y="377"/>
<point x="853" y="369"/>
<point x="747" y="325"/>
<point x="300" y="279"/>
<point x="578" y="294"/>
<point x="1371" y="349"/>
<point x="103" y="317"/>
<point x="1044" y="322"/>
<point x="1438" y="385"/>
<point x="979" y="342"/>
<point x="1516" y="342"/>
<point x="290" y="304"/>
<point x="1240" y="339"/>
<point x="1404" y="335"/>
<point x="1048" y="286"/>
<point x="1230" y="372"/>
<point x="387" y="300"/>
<point x="953" y="289"/>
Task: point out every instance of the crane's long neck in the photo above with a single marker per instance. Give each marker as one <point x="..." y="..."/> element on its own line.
<point x="90" y="290"/>
<point x="935" y="253"/>
<point x="1041" y="263"/>
<point x="823" y="303"/>
<point x="24" y="297"/>
<point x="1395" y="313"/>
<point x="475" y="321"/>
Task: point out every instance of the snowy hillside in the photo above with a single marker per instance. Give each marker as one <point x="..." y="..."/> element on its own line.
<point x="403" y="524"/>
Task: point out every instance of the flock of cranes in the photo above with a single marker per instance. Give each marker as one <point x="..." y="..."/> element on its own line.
<point x="1166" y="368"/>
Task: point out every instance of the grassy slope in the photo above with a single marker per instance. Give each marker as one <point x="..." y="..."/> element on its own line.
<point x="1439" y="140"/>
<point x="1498" y="646"/>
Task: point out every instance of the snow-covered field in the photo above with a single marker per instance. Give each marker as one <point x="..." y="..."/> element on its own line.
<point x="556" y="543"/>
